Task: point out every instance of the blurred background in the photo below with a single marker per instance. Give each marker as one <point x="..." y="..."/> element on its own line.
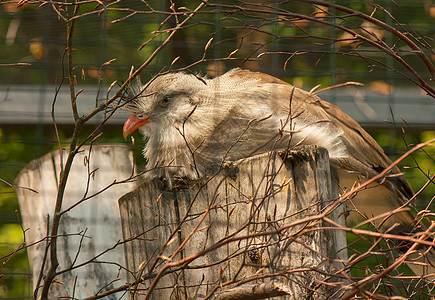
<point x="33" y="74"/>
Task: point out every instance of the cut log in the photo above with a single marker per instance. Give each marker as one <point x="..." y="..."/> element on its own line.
<point x="87" y="229"/>
<point x="252" y="230"/>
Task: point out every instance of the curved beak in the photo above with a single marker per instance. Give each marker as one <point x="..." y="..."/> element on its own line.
<point x="133" y="123"/>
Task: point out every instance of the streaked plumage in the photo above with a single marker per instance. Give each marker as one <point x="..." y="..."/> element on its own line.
<point x="243" y="113"/>
<point x="224" y="106"/>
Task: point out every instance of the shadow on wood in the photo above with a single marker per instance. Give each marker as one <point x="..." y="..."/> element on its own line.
<point x="250" y="232"/>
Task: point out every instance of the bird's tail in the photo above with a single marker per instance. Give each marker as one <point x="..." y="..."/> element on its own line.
<point x="385" y="209"/>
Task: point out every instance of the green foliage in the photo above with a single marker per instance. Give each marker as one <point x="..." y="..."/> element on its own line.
<point x="15" y="273"/>
<point x="116" y="33"/>
<point x="15" y="280"/>
<point x="41" y="37"/>
<point x="17" y="148"/>
<point x="417" y="167"/>
<point x="370" y="261"/>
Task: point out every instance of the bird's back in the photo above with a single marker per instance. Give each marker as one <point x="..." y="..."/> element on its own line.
<point x="319" y="122"/>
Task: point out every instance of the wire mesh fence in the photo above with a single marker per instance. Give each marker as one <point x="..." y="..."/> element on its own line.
<point x="89" y="52"/>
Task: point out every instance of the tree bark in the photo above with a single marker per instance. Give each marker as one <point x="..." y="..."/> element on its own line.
<point x="250" y="230"/>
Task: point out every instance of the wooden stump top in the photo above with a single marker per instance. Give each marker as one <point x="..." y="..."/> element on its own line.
<point x="252" y="231"/>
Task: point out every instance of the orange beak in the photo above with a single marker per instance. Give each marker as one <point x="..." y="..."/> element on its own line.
<point x="132" y="124"/>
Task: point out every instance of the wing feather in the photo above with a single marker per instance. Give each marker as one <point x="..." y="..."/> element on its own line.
<point x="363" y="153"/>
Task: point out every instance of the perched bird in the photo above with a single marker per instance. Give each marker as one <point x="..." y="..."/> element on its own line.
<point x="194" y="124"/>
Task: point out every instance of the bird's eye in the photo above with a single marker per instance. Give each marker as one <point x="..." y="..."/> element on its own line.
<point x="166" y="100"/>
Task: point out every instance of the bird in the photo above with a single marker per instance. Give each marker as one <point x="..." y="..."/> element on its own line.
<point x="193" y="124"/>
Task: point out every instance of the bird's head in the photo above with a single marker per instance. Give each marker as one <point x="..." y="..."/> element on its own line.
<point x="165" y="101"/>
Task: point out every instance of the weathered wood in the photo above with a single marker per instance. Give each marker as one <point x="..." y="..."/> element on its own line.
<point x="87" y="229"/>
<point x="251" y="292"/>
<point x="240" y="229"/>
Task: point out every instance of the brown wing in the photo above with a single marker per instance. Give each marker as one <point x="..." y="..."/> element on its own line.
<point x="362" y="148"/>
<point x="365" y="155"/>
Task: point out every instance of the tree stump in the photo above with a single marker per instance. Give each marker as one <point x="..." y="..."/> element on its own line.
<point x="252" y="231"/>
<point x="88" y="229"/>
